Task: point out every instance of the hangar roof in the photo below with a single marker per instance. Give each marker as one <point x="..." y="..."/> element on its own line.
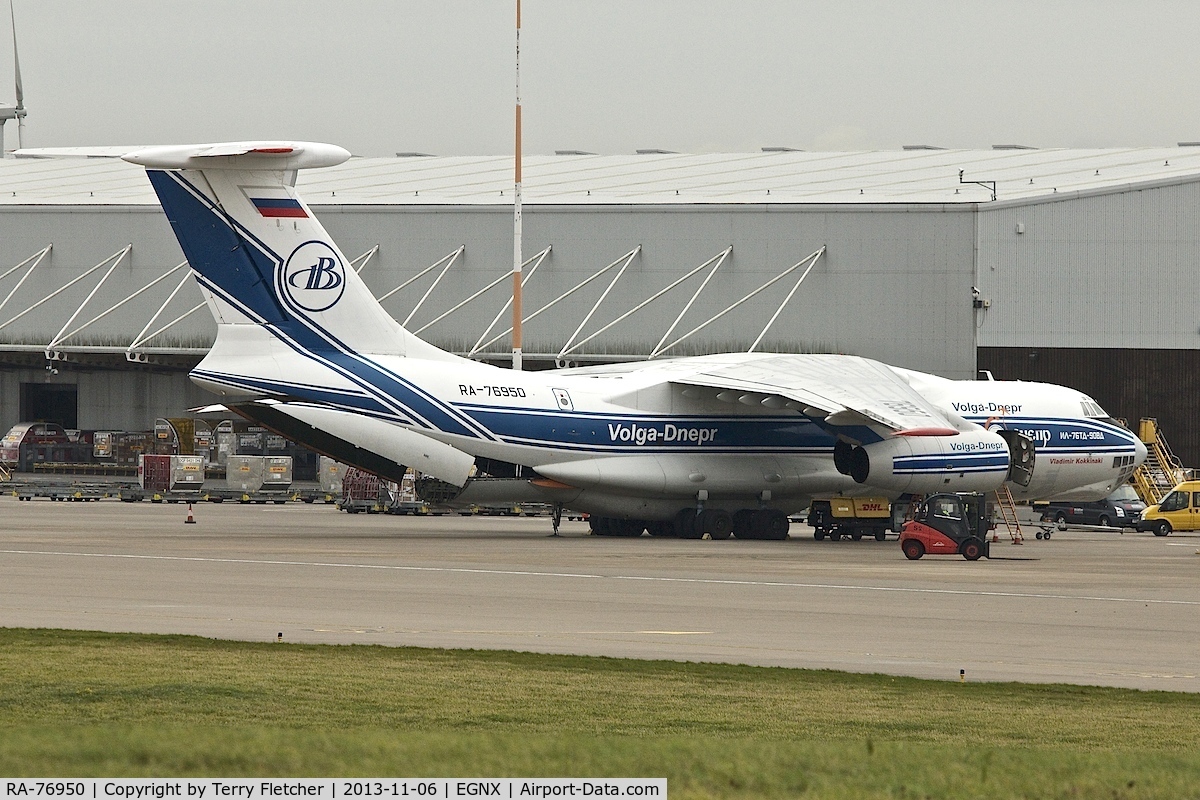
<point x="873" y="177"/>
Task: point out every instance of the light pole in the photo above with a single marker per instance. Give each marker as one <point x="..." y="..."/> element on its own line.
<point x="517" y="260"/>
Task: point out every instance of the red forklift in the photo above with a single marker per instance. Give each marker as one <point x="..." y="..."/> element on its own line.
<point x="948" y="524"/>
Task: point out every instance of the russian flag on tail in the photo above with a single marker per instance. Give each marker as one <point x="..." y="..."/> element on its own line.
<point x="274" y="202"/>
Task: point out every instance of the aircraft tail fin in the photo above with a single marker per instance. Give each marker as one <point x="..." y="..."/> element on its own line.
<point x="259" y="253"/>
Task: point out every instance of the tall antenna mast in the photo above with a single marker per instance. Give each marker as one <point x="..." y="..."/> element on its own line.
<point x="517" y="259"/>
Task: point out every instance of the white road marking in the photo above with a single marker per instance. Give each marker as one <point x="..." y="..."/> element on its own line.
<point x="593" y="576"/>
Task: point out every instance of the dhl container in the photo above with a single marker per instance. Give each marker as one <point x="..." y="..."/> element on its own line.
<point x="163" y="473"/>
<point x="244" y="473"/>
<point x="331" y="474"/>
<point x="860" y="507"/>
<point x="277" y="472"/>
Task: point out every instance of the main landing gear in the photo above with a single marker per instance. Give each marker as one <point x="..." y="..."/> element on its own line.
<point x="691" y="523"/>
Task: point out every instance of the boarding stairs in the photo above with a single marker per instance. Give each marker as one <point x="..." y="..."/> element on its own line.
<point x="1162" y="471"/>
<point x="1008" y="514"/>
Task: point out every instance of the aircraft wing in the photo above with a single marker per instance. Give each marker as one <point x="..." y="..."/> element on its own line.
<point x="842" y="390"/>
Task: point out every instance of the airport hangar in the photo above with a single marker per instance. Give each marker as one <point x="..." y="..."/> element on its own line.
<point x="1071" y="266"/>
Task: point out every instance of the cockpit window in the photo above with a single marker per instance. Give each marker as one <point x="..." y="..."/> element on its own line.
<point x="1091" y="409"/>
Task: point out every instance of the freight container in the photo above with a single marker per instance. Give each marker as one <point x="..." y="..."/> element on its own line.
<point x="244" y="473"/>
<point x="102" y="445"/>
<point x="29" y="433"/>
<point x="855" y="517"/>
<point x="175" y="436"/>
<point x="277" y="473"/>
<point x="225" y="441"/>
<point x="204" y="442"/>
<point x="163" y="473"/>
<point x="251" y="442"/>
<point x="32" y="456"/>
<point x="331" y="474"/>
<point x="128" y="446"/>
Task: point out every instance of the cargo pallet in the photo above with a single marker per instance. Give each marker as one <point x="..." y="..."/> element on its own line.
<point x="133" y="494"/>
<point x="94" y="468"/>
<point x="73" y="492"/>
<point x="402" y="508"/>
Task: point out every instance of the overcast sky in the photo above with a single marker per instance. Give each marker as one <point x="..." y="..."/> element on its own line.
<point x="608" y="76"/>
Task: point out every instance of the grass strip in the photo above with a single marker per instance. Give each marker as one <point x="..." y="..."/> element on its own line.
<point x="81" y="703"/>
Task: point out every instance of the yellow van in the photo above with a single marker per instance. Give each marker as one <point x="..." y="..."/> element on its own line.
<point x="1178" y="511"/>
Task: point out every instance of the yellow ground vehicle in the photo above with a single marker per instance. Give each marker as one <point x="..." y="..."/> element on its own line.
<point x="854" y="517"/>
<point x="1178" y="511"/>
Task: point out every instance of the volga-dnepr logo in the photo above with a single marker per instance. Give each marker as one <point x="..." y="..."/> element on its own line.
<point x="313" y="277"/>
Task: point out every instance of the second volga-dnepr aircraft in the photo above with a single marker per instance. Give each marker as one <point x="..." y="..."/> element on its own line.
<point x="684" y="446"/>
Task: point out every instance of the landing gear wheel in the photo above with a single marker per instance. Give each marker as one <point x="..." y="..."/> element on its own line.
<point x="716" y="523"/>
<point x="773" y="525"/>
<point x="913" y="549"/>
<point x="1162" y="528"/>
<point x="971" y="549"/>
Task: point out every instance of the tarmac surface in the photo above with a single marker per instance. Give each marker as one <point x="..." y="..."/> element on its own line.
<point x="1085" y="607"/>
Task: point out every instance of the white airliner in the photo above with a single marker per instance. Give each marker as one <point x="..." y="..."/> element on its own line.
<point x="687" y="446"/>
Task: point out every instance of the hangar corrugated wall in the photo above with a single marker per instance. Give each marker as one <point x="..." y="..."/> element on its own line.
<point x="1104" y="270"/>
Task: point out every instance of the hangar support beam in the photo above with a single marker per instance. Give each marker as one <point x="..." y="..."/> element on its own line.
<point x="627" y="258"/>
<point x="58" y="340"/>
<point x="453" y="257"/>
<point x="58" y="337"/>
<point x="131" y="353"/>
<point x="365" y="258"/>
<point x="36" y="258"/>
<point x="482" y="291"/>
<point x="120" y="254"/>
<point x="658" y="348"/>
<point x="721" y="255"/>
<point x="539" y="258"/>
<point x="448" y="257"/>
<point x="812" y="256"/>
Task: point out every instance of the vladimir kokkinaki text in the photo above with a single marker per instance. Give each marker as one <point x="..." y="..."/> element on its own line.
<point x="329" y="789"/>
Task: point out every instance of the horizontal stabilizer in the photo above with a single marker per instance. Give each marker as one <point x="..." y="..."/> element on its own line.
<point x="240" y="155"/>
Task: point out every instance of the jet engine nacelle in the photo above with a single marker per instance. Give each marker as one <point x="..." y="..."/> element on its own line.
<point x="975" y="461"/>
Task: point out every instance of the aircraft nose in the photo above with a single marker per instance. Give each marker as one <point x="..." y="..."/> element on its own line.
<point x="1139" y="453"/>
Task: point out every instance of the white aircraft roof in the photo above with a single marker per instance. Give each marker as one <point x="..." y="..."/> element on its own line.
<point x="907" y="176"/>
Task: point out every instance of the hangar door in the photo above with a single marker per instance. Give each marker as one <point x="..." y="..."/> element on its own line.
<point x="50" y="402"/>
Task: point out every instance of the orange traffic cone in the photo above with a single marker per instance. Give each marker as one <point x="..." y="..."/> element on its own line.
<point x="190" y="519"/>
